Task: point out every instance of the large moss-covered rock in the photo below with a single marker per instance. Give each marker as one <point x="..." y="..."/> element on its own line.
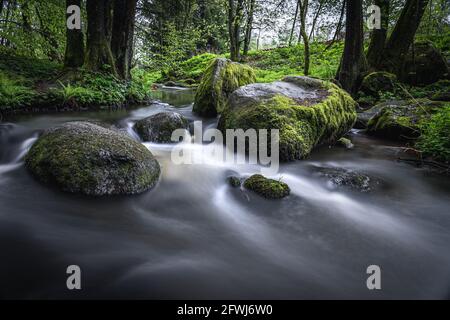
<point x="159" y="127"/>
<point x="267" y="188"/>
<point x="424" y="64"/>
<point x="399" y="120"/>
<point x="306" y="111"/>
<point x="376" y="82"/>
<point x="221" y="78"/>
<point x="82" y="157"/>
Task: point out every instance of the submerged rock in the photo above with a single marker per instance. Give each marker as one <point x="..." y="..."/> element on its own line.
<point x="307" y="111"/>
<point x="340" y="177"/>
<point x="82" y="157"/>
<point x="234" y="181"/>
<point x="267" y="188"/>
<point x="344" y="142"/>
<point x="399" y="120"/>
<point x="159" y="127"/>
<point x="220" y="79"/>
<point x="424" y="64"/>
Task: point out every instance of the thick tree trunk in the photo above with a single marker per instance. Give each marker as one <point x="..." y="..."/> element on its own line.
<point x="378" y="37"/>
<point x="74" y="55"/>
<point x="98" y="47"/>
<point x="123" y="35"/>
<point x="249" y="29"/>
<point x="303" y="13"/>
<point x="235" y="14"/>
<point x="291" y="36"/>
<point x="352" y="63"/>
<point x="402" y="36"/>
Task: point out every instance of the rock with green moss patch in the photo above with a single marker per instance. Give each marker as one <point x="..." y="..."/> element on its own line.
<point x="376" y="82"/>
<point x="220" y="79"/>
<point x="398" y="120"/>
<point x="424" y="64"/>
<point x="82" y="157"/>
<point x="267" y="188"/>
<point x="234" y="181"/>
<point x="159" y="127"/>
<point x="307" y="112"/>
<point x="344" y="142"/>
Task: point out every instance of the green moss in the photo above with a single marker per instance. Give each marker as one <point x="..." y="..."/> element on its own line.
<point x="220" y="79"/>
<point x="377" y="82"/>
<point x="301" y="127"/>
<point x="82" y="157"/>
<point x="268" y="188"/>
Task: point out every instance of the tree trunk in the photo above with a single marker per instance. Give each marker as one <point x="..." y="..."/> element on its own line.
<point x="237" y="29"/>
<point x="303" y="13"/>
<point x="378" y="37"/>
<point x="231" y="13"/>
<point x="74" y="55"/>
<point x="249" y="29"/>
<point x="293" y="23"/>
<point x="339" y="26"/>
<point x="352" y="63"/>
<point x="316" y="16"/>
<point x="98" y="48"/>
<point x="123" y="34"/>
<point x="402" y="36"/>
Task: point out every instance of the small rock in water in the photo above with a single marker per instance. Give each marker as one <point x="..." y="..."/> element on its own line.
<point x="235" y="182"/>
<point x="159" y="127"/>
<point x="340" y="177"/>
<point x="344" y="142"/>
<point x="267" y="188"/>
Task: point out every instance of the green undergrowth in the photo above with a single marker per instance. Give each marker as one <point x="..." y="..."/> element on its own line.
<point x="35" y="84"/>
<point x="434" y="140"/>
<point x="269" y="65"/>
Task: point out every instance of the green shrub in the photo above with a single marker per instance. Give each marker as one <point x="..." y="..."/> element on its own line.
<point x="14" y="94"/>
<point x="435" y="138"/>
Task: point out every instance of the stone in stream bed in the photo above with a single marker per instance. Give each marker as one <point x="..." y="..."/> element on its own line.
<point x="340" y="177"/>
<point x="82" y="157"/>
<point x="308" y="112"/>
<point x="220" y="79"/>
<point x="234" y="181"/>
<point x="159" y="127"/>
<point x="267" y="188"/>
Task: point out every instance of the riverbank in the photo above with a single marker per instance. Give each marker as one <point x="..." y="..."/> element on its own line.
<point x="29" y="85"/>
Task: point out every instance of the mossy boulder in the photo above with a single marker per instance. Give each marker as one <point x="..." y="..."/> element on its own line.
<point x="399" y="120"/>
<point x="364" y="117"/>
<point x="344" y="142"/>
<point x="82" y="157"/>
<point x="220" y="79"/>
<point x="159" y="127"/>
<point x="376" y="82"/>
<point x="307" y="112"/>
<point x="424" y="64"/>
<point x="267" y="188"/>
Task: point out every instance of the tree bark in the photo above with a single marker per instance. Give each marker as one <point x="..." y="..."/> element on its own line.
<point x="234" y="24"/>
<point x="74" y="54"/>
<point x="402" y="36"/>
<point x="303" y="13"/>
<point x="339" y="26"/>
<point x="123" y="35"/>
<point x="378" y="37"/>
<point x="316" y="16"/>
<point x="293" y="23"/>
<point x="98" y="47"/>
<point x="352" y="63"/>
<point x="249" y="29"/>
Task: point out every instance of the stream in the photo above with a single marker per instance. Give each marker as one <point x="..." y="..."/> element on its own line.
<point x="195" y="237"/>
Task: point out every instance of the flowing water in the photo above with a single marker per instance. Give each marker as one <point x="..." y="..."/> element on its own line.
<point x="193" y="236"/>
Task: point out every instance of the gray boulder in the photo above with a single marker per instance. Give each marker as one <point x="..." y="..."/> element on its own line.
<point x="82" y="157"/>
<point x="159" y="127"/>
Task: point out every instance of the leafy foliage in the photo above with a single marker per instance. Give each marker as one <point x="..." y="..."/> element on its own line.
<point x="435" y="138"/>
